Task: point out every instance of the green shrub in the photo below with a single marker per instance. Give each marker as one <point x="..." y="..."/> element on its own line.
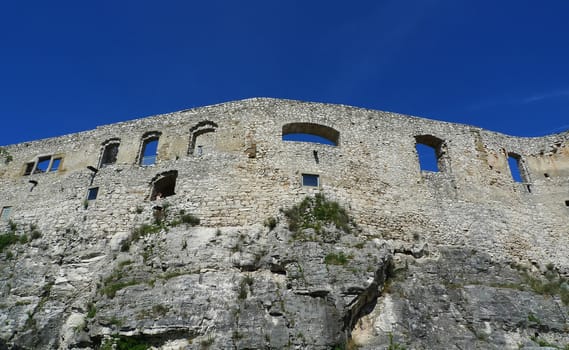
<point x="35" y="234"/>
<point x="270" y="222"/>
<point x="337" y="259"/>
<point x="91" y="310"/>
<point x="124" y="263"/>
<point x="113" y="283"/>
<point x="207" y="342"/>
<point x="111" y="290"/>
<point x="393" y="345"/>
<point x="124" y="343"/>
<point x="551" y="285"/>
<point x="190" y="219"/>
<point x="243" y="287"/>
<point x="8" y="239"/>
<point x="159" y="310"/>
<point x="316" y="213"/>
<point x="139" y="232"/>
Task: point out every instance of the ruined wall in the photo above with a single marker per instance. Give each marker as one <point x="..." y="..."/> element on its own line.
<point x="244" y="172"/>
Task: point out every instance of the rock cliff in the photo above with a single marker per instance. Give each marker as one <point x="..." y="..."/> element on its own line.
<point x="214" y="228"/>
<point x="308" y="279"/>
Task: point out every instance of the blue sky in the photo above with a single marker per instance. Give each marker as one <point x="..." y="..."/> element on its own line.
<point x="67" y="66"/>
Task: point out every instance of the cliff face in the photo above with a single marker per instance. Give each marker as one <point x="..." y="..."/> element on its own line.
<point x="231" y="236"/>
<point x="170" y="285"/>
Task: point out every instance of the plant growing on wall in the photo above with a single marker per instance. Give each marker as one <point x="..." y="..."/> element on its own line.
<point x="7" y="156"/>
<point x="317" y="212"/>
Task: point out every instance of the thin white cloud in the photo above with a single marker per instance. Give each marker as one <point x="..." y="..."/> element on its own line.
<point x="538" y="97"/>
<point x="546" y="96"/>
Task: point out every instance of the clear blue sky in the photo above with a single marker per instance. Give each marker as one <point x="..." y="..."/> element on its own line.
<point x="67" y="66"/>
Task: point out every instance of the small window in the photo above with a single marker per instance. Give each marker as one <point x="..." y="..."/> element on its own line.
<point x="92" y="193"/>
<point x="110" y="152"/>
<point x="164" y="185"/>
<point x="43" y="165"/>
<point x="202" y="131"/>
<point x="517" y="168"/>
<point x="310" y="180"/>
<point x="149" y="148"/>
<point x="55" y="164"/>
<point x="5" y="215"/>
<point x="432" y="153"/>
<point x="567" y="203"/>
<point x="427" y="157"/>
<point x="29" y="168"/>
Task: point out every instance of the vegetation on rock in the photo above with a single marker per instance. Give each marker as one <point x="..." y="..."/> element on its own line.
<point x="317" y="212"/>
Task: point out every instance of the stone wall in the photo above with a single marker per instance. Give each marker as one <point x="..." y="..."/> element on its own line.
<point x="244" y="173"/>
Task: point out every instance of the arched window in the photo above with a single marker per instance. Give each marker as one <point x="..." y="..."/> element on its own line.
<point x="109" y="152"/>
<point x="164" y="185"/>
<point x="197" y="146"/>
<point x="432" y="153"/>
<point x="310" y="132"/>
<point x="149" y="148"/>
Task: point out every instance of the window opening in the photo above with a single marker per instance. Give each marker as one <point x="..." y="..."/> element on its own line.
<point x="310" y="180"/>
<point x="110" y="153"/>
<point x="427" y="157"/>
<point x="92" y="193"/>
<point x="431" y="152"/>
<point x="164" y="185"/>
<point x="196" y="131"/>
<point x="517" y="168"/>
<point x="310" y="132"/>
<point x="567" y="203"/>
<point x="5" y="215"/>
<point x="29" y="168"/>
<point x="55" y="164"/>
<point x="149" y="149"/>
<point x="546" y="175"/>
<point x="42" y="165"/>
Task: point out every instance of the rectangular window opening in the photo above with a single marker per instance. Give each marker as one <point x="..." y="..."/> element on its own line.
<point x="310" y="180"/>
<point x="29" y="168"/>
<point x="428" y="158"/>
<point x="149" y="152"/>
<point x="92" y="193"/>
<point x="567" y="203"/>
<point x="514" y="164"/>
<point x="43" y="165"/>
<point x="5" y="215"/>
<point x="55" y="164"/>
<point x="110" y="154"/>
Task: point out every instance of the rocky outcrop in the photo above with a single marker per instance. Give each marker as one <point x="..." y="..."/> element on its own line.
<point x="98" y="251"/>
<point x="462" y="298"/>
<point x="171" y="285"/>
<point x="303" y="283"/>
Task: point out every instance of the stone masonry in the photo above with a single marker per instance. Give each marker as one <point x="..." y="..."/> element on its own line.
<point x="245" y="173"/>
<point x="459" y="234"/>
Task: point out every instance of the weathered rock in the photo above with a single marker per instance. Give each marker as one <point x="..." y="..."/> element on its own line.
<point x="464" y="257"/>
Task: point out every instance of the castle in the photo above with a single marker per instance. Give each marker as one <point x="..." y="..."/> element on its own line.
<point x="236" y="164"/>
<point x="229" y="165"/>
